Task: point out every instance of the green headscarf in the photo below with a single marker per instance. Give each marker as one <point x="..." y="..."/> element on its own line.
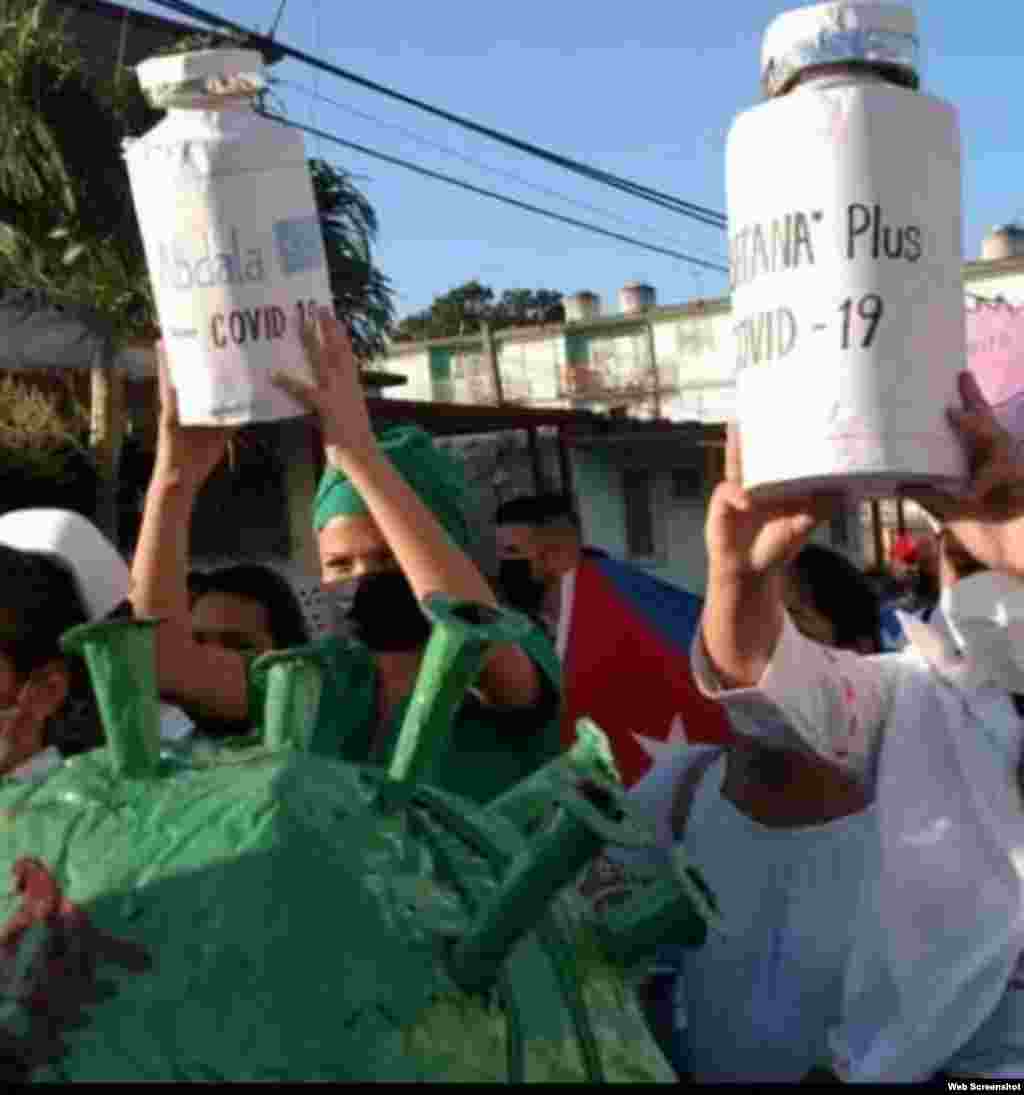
<point x="435" y="477"/>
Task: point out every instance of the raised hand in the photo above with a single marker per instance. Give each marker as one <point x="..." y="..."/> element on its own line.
<point x="336" y="395"/>
<point x="751" y="538"/>
<point x="184" y="454"/>
<point x="987" y="520"/>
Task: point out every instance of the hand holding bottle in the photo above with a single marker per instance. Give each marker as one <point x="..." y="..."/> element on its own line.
<point x="336" y="395"/>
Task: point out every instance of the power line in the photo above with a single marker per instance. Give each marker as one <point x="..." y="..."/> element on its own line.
<point x="314" y="120"/>
<point x="277" y="18"/>
<point x="493" y="194"/>
<point x="697" y="212"/>
<point x="426" y="141"/>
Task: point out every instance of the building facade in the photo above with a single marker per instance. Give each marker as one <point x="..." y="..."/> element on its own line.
<point x="675" y="362"/>
<point x="651" y="362"/>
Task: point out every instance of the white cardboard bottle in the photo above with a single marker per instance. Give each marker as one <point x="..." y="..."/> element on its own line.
<point x="846" y="260"/>
<point x="231" y="233"/>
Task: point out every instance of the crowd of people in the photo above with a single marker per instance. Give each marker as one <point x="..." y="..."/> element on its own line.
<point x="856" y="808"/>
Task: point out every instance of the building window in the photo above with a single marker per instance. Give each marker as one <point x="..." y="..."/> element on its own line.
<point x="577" y="349"/>
<point x="442" y="383"/>
<point x="637" y="493"/>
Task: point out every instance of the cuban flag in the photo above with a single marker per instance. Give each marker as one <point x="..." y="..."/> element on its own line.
<point x="624" y="641"/>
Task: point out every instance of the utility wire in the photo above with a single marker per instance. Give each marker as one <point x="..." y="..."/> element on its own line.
<point x="277" y="19"/>
<point x="427" y="142"/>
<point x="677" y="205"/>
<point x="493" y="194"/>
<point x="313" y="119"/>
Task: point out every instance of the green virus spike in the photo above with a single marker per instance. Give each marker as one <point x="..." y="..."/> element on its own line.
<point x="528" y="803"/>
<point x="678" y="907"/>
<point x="121" y="659"/>
<point x="468" y="952"/>
<point x="463" y="632"/>
<point x="294" y="682"/>
<point x="589" y="815"/>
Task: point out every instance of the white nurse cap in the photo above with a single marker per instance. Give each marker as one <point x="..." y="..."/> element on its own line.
<point x="101" y="575"/>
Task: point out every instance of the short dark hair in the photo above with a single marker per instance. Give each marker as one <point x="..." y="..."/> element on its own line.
<point x="39" y="601"/>
<point x="266" y="587"/>
<point x="538" y="511"/>
<point x="841" y="592"/>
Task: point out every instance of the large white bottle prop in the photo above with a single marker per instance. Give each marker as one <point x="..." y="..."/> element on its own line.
<point x="232" y="238"/>
<point x="845" y="260"/>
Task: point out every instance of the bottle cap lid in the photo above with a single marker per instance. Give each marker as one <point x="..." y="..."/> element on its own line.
<point x="209" y="74"/>
<point x="871" y="32"/>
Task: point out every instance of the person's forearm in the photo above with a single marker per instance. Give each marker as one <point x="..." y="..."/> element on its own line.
<point x="741" y="625"/>
<point x="787" y="690"/>
<point x="433" y="564"/>
<point x="427" y="556"/>
<point x="160" y="564"/>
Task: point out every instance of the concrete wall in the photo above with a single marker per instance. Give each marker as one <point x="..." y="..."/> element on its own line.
<point x="687" y="564"/>
<point x="599" y="497"/>
<point x="498" y="467"/>
<point x="415" y="367"/>
<point x="695" y="355"/>
<point x="1009" y="285"/>
<point x="531" y="371"/>
<point x="680" y="555"/>
<point x="678" y="526"/>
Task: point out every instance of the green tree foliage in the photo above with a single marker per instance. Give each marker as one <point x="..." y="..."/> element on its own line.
<point x="529" y="307"/>
<point x="362" y="293"/>
<point x="67" y="222"/>
<point x="43" y="457"/>
<point x="462" y="309"/>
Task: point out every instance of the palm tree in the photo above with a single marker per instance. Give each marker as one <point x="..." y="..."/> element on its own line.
<point x="361" y="292"/>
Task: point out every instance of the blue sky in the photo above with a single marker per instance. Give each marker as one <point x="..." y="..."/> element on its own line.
<point x="647" y="92"/>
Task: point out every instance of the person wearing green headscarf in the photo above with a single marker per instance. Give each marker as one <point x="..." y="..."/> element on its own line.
<point x="391" y="521"/>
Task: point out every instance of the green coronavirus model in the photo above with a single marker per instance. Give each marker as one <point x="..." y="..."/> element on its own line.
<point x="259" y="913"/>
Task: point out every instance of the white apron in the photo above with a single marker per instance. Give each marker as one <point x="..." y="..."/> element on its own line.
<point x="758" y="1001"/>
<point x="938" y="936"/>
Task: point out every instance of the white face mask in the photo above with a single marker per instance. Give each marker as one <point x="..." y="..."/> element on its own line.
<point x="985" y="614"/>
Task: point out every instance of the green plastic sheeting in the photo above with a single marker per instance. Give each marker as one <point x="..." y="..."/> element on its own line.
<point x="120" y="657"/>
<point x="297" y="933"/>
<point x="460" y="639"/>
<point x="292" y="681"/>
<point x="529" y="803"/>
<point x="252" y="912"/>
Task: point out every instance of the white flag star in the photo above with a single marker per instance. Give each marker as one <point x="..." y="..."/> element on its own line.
<point x="656" y="749"/>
